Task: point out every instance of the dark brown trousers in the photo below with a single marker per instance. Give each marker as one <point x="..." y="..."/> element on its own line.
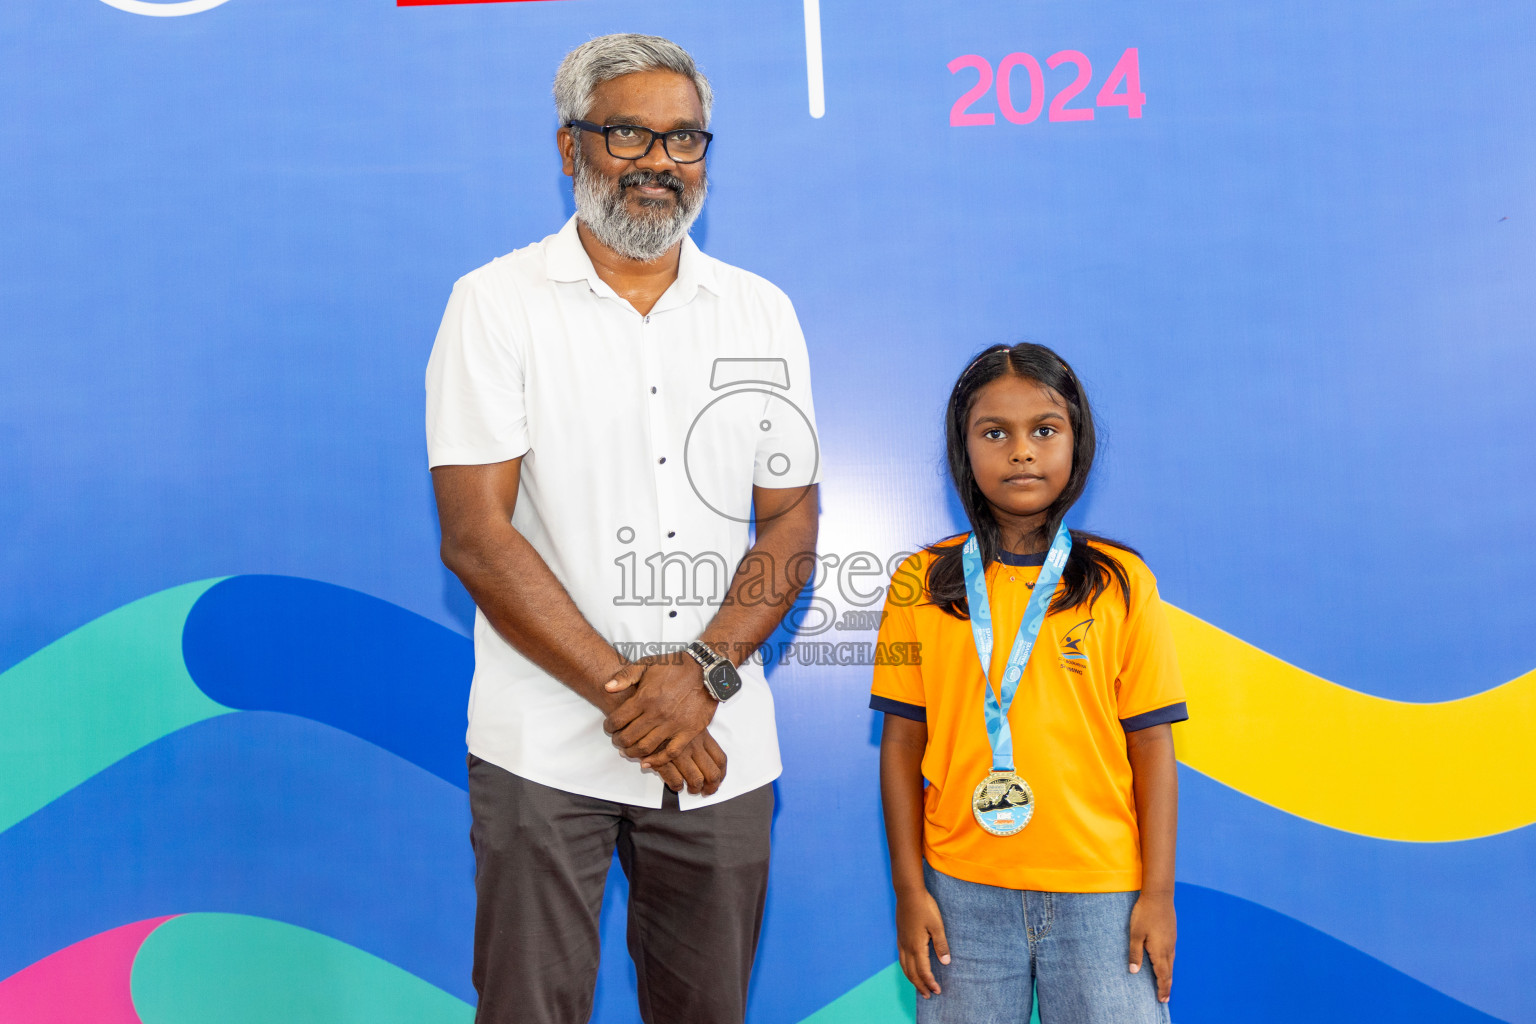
<point x="697" y="881"/>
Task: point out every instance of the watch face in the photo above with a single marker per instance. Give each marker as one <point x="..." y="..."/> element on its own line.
<point x="723" y="680"/>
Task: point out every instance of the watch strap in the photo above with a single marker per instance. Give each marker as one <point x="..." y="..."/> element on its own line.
<point x="703" y="654"/>
<point x="712" y="663"/>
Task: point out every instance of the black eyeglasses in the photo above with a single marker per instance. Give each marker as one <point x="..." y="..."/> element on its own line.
<point x="633" y="141"/>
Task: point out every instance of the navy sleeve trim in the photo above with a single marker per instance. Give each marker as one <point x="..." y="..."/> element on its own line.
<point x="901" y="709"/>
<point x="1172" y="713"/>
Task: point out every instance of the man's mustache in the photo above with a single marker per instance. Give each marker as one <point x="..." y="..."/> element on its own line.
<point x="662" y="178"/>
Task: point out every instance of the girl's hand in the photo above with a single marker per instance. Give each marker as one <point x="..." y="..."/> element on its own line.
<point x="1153" y="927"/>
<point x="917" y="921"/>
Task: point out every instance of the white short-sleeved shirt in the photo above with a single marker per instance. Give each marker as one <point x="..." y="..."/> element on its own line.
<point x="642" y="438"/>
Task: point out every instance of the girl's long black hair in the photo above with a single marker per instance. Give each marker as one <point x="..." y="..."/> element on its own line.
<point x="1089" y="570"/>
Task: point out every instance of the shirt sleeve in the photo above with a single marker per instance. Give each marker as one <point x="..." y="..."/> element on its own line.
<point x="788" y="449"/>
<point x="1150" y="690"/>
<point x="476" y="413"/>
<point x="897" y="688"/>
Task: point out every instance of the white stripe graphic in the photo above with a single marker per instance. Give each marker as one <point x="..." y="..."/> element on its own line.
<point x="813" y="77"/>
<point x="168" y="10"/>
<point x="813" y="58"/>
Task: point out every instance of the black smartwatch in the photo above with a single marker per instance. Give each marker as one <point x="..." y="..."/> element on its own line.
<point x="720" y="677"/>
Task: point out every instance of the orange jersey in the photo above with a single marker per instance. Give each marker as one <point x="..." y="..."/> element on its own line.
<point x="1095" y="674"/>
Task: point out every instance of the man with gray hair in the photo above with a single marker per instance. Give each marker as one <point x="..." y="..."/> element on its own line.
<point x="606" y="404"/>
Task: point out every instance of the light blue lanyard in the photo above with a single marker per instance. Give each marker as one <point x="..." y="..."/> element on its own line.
<point x="998" y="732"/>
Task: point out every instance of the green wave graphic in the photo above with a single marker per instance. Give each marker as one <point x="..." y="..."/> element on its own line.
<point x="95" y="696"/>
<point x="884" y="998"/>
<point x="236" y="969"/>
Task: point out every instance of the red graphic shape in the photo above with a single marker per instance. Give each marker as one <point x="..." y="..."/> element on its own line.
<point x="88" y="981"/>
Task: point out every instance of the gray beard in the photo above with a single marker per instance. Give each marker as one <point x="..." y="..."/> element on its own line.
<point x="601" y="207"/>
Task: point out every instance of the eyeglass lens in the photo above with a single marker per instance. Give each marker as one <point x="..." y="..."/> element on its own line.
<point x="628" y="142"/>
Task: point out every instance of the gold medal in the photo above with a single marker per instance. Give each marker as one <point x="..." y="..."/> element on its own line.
<point x="1003" y="803"/>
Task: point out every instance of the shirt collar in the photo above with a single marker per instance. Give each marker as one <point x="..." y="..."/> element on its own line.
<point x="566" y="260"/>
<point x="695" y="270"/>
<point x="1033" y="558"/>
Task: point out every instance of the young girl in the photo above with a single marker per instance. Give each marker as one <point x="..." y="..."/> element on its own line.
<point x="1038" y="861"/>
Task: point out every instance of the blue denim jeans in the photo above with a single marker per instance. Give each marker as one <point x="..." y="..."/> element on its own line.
<point x="1007" y="946"/>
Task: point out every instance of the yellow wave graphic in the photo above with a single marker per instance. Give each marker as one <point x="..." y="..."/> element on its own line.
<point x="1440" y="772"/>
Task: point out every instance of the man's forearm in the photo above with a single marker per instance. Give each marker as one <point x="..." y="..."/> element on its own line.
<point x="767" y="582"/>
<point x="511" y="583"/>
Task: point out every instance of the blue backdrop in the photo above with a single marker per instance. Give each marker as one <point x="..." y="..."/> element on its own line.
<point x="1298" y="286"/>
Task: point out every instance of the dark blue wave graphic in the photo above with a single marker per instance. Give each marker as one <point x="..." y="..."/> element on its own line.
<point x="254" y="813"/>
<point x="272" y="815"/>
<point x="1456" y="916"/>
<point x="286" y="815"/>
<point x="1238" y="961"/>
<point x="365" y="666"/>
<point x="1423" y="907"/>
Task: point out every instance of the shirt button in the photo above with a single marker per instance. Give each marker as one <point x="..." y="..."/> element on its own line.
<point x="671" y="533"/>
<point x="653" y="390"/>
<point x="646" y="320"/>
<point x="661" y="461"/>
<point x="671" y="615"/>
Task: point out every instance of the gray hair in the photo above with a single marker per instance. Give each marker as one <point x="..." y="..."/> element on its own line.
<point x="607" y="57"/>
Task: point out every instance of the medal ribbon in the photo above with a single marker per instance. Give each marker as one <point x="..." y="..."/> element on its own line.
<point x="998" y="732"/>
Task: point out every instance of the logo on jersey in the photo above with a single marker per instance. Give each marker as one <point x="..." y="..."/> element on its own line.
<point x="1073" y="656"/>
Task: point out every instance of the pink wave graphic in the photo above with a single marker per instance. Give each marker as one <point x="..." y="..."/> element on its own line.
<point x="88" y="981"/>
